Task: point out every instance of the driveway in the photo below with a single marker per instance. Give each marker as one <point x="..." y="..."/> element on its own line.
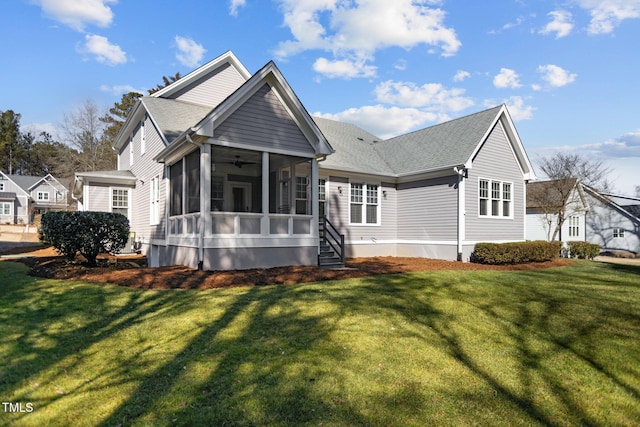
<point x="17" y="236"/>
<point x="616" y="260"/>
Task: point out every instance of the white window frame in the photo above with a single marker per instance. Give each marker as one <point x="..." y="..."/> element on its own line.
<point x="128" y="200"/>
<point x="365" y="198"/>
<point x="41" y="196"/>
<point x="323" y="192"/>
<point x="3" y="205"/>
<point x="495" y="196"/>
<point x="574" y="226"/>
<point x="143" y="141"/>
<point x="130" y="151"/>
<point x="618" y="233"/>
<point x="302" y="191"/>
<point x="154" y="201"/>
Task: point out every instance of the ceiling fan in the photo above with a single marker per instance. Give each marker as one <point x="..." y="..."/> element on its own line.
<point x="239" y="163"/>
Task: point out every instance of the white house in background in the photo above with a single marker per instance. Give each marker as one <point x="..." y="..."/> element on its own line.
<point x="23" y="196"/>
<point x="609" y="220"/>
<point x="547" y="201"/>
<point x="224" y="169"/>
<point x="613" y="221"/>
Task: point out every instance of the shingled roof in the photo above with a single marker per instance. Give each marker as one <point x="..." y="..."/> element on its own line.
<point x="174" y="117"/>
<point x="551" y="194"/>
<point x="441" y="146"/>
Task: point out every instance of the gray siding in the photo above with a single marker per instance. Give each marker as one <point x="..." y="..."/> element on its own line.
<point x="362" y="233"/>
<point x="57" y="195"/>
<point x="213" y="88"/>
<point x="495" y="161"/>
<point x="427" y="210"/>
<point x="99" y="197"/>
<point x="145" y="169"/>
<point x="264" y="122"/>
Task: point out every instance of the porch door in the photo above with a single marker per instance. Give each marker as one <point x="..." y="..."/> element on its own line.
<point x="241" y="200"/>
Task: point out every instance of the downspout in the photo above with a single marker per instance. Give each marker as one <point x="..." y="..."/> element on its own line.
<point x="462" y="174"/>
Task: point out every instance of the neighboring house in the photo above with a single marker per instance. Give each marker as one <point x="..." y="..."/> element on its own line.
<point x="23" y="196"/>
<point x="223" y="169"/>
<point x="554" y="201"/>
<point x="613" y="221"/>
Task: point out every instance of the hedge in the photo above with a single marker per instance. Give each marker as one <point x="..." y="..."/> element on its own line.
<point x="515" y="252"/>
<point x="584" y="250"/>
<point x="90" y="233"/>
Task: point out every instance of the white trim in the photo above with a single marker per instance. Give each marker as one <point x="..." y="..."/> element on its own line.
<point x="40" y="198"/>
<point x="143" y="141"/>
<point x="272" y="150"/>
<point x="365" y="185"/>
<point x="241" y="241"/>
<point x="10" y="204"/>
<point x="129" y="207"/>
<point x="501" y="199"/>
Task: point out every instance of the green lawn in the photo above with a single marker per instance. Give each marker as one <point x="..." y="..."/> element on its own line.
<point x="546" y="347"/>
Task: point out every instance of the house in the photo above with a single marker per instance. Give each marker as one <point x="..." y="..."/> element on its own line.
<point x="225" y="169"/>
<point x="23" y="196"/>
<point x="609" y="220"/>
<point x="556" y="210"/>
<point x="613" y="221"/>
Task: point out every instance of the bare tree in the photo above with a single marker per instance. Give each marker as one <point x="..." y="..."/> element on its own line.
<point x="559" y="197"/>
<point x="84" y="131"/>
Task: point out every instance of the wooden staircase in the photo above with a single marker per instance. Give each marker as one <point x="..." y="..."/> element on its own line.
<point x="331" y="253"/>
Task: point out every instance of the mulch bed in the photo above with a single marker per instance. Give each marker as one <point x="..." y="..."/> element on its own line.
<point x="131" y="271"/>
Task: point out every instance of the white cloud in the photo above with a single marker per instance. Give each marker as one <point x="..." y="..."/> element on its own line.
<point x="556" y="76"/>
<point x="430" y="96"/>
<point x="78" y="13"/>
<point x="344" y="68"/>
<point x="37" y="128"/>
<point x="400" y="65"/>
<point x="383" y="121"/>
<point x="234" y="5"/>
<point x="627" y="145"/>
<point x="349" y="28"/>
<point x="560" y="24"/>
<point x="516" y="106"/>
<point x="190" y="53"/>
<point x="461" y="75"/>
<point x="121" y="89"/>
<point x="507" y="78"/>
<point x="509" y="25"/>
<point x="607" y="14"/>
<point x="103" y="50"/>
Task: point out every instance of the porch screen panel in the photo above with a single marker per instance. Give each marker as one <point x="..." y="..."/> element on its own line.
<point x="175" y="182"/>
<point x="193" y="181"/>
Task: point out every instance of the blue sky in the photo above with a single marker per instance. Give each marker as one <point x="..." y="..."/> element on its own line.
<point x="569" y="71"/>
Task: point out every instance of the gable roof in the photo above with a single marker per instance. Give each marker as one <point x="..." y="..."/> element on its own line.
<point x="549" y="194"/>
<point x="440" y="147"/>
<point x="271" y="75"/>
<point x="25" y="182"/>
<point x="630" y="207"/>
<point x="355" y="148"/>
<point x="172" y="117"/>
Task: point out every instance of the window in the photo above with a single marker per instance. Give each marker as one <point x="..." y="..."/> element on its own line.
<point x="574" y="226"/>
<point x="498" y="202"/>
<point x="120" y="201"/>
<point x="154" y="214"/>
<point x="131" y="151"/>
<point x="618" y="232"/>
<point x="217" y="193"/>
<point x="372" y="204"/>
<point x="484" y="197"/>
<point x="142" y="139"/>
<point x="43" y="196"/>
<point x="322" y="197"/>
<point x="364" y="203"/>
<point x="302" y="195"/>
<point x="5" y="208"/>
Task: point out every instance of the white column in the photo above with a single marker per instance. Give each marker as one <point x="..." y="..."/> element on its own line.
<point x="314" y="197"/>
<point x="264" y="221"/>
<point x="205" y="189"/>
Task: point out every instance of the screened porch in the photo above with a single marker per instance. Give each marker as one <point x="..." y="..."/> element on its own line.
<point x="219" y="191"/>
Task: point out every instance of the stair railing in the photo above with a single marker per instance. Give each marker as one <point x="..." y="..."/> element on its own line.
<point x="333" y="238"/>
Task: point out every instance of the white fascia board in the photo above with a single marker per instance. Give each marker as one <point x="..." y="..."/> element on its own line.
<point x="126" y="128"/>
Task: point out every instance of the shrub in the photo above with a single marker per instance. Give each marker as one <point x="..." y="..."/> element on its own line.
<point x="584" y="250"/>
<point x="515" y="252"/>
<point x="90" y="233"/>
